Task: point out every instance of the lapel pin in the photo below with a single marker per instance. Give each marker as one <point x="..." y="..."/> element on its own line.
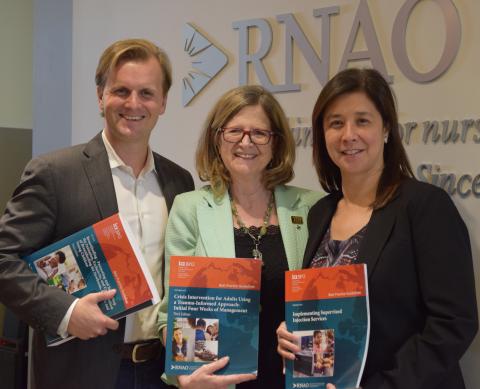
<point x="297" y="220"/>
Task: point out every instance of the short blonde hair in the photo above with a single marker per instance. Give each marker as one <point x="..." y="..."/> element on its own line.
<point x="132" y="50"/>
<point x="209" y="164"/>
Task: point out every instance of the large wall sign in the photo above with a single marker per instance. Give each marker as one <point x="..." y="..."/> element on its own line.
<point x="321" y="65"/>
<point x="209" y="59"/>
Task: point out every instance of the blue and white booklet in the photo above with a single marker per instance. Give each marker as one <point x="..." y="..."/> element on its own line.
<point x="213" y="310"/>
<point x="327" y="308"/>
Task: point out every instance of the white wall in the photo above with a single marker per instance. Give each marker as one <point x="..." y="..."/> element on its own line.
<point x="455" y="95"/>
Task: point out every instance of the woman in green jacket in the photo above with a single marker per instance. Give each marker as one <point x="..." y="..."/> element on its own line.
<point x="247" y="153"/>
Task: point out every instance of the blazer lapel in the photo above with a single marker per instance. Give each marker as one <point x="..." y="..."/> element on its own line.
<point x="378" y="230"/>
<point x="169" y="191"/>
<point x="319" y="220"/>
<point x="97" y="169"/>
<point x="294" y="231"/>
<point x="286" y="207"/>
<point x="216" y="226"/>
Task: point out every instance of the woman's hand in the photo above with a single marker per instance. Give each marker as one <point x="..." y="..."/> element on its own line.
<point x="203" y="378"/>
<point x="287" y="342"/>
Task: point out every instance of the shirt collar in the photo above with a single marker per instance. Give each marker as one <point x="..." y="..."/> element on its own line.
<point x="116" y="162"/>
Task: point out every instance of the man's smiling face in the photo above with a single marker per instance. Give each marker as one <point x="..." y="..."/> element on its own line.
<point x="132" y="101"/>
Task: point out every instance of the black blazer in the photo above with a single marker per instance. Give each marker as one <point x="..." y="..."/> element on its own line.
<point x="421" y="284"/>
<point x="59" y="194"/>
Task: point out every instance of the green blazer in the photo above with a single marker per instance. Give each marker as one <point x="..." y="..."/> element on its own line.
<point x="200" y="226"/>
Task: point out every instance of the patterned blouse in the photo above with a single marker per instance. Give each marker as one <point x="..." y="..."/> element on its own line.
<point x="338" y="252"/>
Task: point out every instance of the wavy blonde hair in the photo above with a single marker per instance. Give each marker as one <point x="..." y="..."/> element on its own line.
<point x="209" y="164"/>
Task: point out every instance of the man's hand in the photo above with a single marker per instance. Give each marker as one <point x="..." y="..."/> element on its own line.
<point x="203" y="378"/>
<point x="87" y="320"/>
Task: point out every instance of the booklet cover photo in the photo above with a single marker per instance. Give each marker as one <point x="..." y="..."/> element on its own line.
<point x="100" y="257"/>
<point x="327" y="309"/>
<point x="213" y="309"/>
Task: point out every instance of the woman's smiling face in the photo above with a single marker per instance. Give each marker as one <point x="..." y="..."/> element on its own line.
<point x="245" y="159"/>
<point x="354" y="135"/>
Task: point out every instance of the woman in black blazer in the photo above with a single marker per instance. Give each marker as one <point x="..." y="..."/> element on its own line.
<point x="412" y="238"/>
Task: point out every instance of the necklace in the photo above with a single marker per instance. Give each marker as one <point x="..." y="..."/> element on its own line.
<point x="257" y="254"/>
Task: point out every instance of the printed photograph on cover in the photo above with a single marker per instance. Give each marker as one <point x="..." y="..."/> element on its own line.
<point x="317" y="355"/>
<point x="61" y="270"/>
<point x="195" y="340"/>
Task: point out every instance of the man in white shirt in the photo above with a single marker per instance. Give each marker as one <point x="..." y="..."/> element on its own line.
<point x="69" y="189"/>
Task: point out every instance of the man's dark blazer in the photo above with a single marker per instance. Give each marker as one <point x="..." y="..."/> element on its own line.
<point x="421" y="284"/>
<point x="59" y="194"/>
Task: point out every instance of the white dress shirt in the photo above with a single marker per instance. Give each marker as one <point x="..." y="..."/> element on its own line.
<point x="141" y="202"/>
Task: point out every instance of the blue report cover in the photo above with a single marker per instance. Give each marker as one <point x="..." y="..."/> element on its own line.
<point x="99" y="257"/>
<point x="213" y="312"/>
<point x="327" y="309"/>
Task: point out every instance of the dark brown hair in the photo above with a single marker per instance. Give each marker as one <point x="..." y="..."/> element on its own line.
<point x="396" y="164"/>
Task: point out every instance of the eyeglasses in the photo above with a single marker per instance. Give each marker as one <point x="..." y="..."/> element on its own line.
<point x="257" y="136"/>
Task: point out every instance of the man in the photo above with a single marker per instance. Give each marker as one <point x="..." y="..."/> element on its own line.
<point x="67" y="190"/>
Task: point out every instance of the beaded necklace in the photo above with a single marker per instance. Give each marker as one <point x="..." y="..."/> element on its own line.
<point x="257" y="254"/>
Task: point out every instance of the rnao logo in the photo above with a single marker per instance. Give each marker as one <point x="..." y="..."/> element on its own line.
<point x="207" y="61"/>
<point x="300" y="385"/>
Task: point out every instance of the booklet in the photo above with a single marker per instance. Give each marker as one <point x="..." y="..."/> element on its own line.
<point x="213" y="308"/>
<point x="327" y="308"/>
<point x="100" y="257"/>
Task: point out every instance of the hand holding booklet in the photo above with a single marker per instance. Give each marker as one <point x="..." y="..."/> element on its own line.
<point x="327" y="309"/>
<point x="213" y="308"/>
<point x="100" y="257"/>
